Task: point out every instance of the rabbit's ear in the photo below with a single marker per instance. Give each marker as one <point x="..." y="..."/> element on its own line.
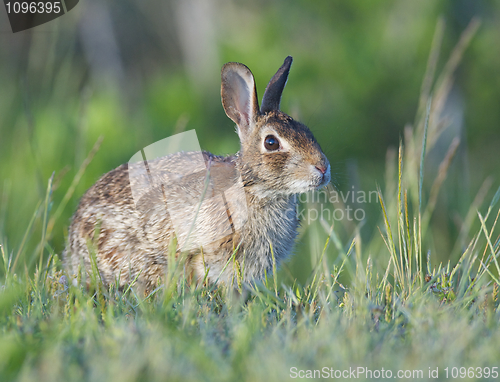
<point x="239" y="96"/>
<point x="272" y="96"/>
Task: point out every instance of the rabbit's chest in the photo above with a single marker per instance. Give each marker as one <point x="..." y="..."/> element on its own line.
<point x="269" y="232"/>
<point x="265" y="232"/>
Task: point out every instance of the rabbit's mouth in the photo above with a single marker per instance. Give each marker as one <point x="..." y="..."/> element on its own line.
<point x="317" y="179"/>
<point x="301" y="186"/>
<point x="319" y="185"/>
<point x="321" y="176"/>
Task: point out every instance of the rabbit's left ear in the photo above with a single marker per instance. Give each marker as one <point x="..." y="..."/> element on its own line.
<point x="272" y="96"/>
<point x="239" y="97"/>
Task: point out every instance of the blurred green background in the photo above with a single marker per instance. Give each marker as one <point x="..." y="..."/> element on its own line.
<point x="135" y="72"/>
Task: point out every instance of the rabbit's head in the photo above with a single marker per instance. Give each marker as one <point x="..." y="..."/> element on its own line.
<point x="278" y="156"/>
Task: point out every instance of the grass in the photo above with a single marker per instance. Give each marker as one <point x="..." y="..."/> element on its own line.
<point x="407" y="316"/>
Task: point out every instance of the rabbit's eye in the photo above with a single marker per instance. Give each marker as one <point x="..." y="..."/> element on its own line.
<point x="271" y="143"/>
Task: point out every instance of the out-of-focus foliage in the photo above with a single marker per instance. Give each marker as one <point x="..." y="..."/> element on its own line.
<point x="135" y="72"/>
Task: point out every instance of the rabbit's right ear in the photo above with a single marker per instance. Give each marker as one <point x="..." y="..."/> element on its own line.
<point x="239" y="96"/>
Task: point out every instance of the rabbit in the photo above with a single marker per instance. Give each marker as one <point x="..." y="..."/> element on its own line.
<point x="223" y="216"/>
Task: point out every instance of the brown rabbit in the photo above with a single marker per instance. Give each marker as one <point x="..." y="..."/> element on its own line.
<point x="216" y="211"/>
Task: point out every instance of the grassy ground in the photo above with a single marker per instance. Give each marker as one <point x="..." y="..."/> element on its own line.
<point x="409" y="315"/>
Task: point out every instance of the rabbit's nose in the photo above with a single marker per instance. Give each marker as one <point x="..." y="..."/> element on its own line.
<point x="322" y="169"/>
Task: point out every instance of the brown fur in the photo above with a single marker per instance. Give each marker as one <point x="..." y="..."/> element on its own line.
<point x="256" y="214"/>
